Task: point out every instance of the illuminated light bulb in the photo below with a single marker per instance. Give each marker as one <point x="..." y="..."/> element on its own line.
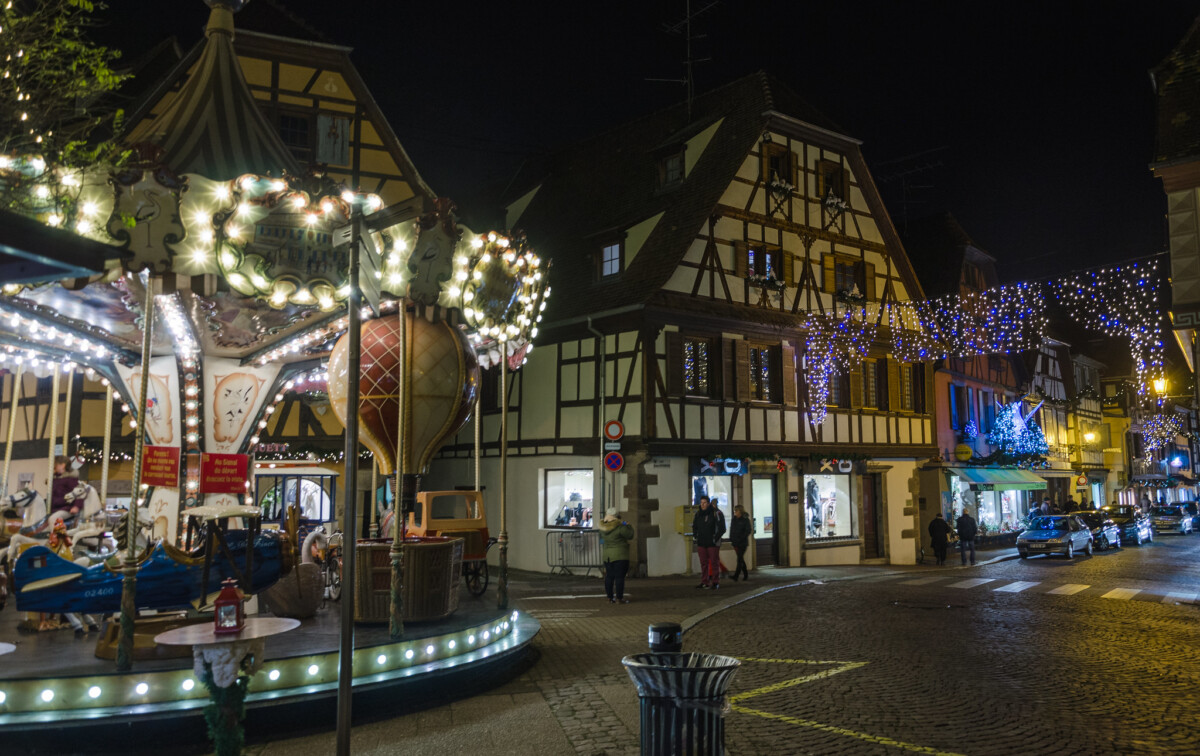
<point x="468" y="296"/>
<point x="247" y="184"/>
<point x="471" y="639"/>
<point x="94" y="691"/>
<point x="348" y="197"/>
<point x="234" y="232"/>
<point x="486" y="635"/>
<point x="454" y="291"/>
<point x="395" y="278"/>
<point x="258" y="281"/>
<point x="429" y="650"/>
<point x="374" y="202"/>
<point x="221" y="192"/>
<point x="462" y="260"/>
<point x="326" y="302"/>
<point x="42" y="192"/>
<point x="279" y="297"/>
<point x="254" y="440"/>
<point x="399" y="245"/>
<point x="47" y="695"/>
<point x="408" y="654"/>
<point x="326" y="206"/>
<point x="450" y="645"/>
<point x="188" y="684"/>
<point x="142" y="689"/>
<point x="380" y="659"/>
<point x="312" y="669"/>
<point x="89" y="208"/>
<point x="84" y="226"/>
<point x="273" y="675"/>
<point x="461" y="275"/>
<point x="38" y="164"/>
<point x="299" y="201"/>
<point x="491" y="236"/>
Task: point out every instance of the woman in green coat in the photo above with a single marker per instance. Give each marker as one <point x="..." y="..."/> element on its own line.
<point x="616" y="535"/>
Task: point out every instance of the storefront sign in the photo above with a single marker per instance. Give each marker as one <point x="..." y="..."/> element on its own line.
<point x="223" y="473"/>
<point x="720" y="466"/>
<point x="160" y="466"/>
<point x="843" y="465"/>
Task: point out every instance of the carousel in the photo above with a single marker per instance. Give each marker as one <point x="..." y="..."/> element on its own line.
<point x="182" y="566"/>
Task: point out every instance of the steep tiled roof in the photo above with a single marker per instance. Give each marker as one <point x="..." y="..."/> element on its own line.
<point x="936" y="246"/>
<point x="610" y="182"/>
<point x="1177" y="82"/>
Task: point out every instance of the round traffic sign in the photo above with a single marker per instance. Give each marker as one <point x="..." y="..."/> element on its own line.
<point x="614" y="461"/>
<point x="614" y="430"/>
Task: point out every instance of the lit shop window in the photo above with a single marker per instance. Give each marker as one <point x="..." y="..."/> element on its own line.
<point x="828" y="510"/>
<point x="568" y="497"/>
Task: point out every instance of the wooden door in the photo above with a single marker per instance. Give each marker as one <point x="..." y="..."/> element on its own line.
<point x="766" y="520"/>
<point x="872" y="517"/>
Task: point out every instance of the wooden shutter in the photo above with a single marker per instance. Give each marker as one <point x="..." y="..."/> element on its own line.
<point x="869" y="282"/>
<point x="740" y="259"/>
<point x="927" y="386"/>
<point x="741" y="370"/>
<point x="894" y="389"/>
<point x="728" y="384"/>
<point x="674" y="363"/>
<point x="856" y="388"/>
<point x="788" y="267"/>
<point x="797" y="176"/>
<point x="827" y="262"/>
<point x="789" y="374"/>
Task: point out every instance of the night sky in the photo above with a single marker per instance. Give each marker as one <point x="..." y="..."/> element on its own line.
<point x="1032" y="122"/>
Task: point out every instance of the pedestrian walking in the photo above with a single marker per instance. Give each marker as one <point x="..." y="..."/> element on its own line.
<point x="965" y="525"/>
<point x="616" y="535"/>
<point x="740" y="531"/>
<point x="707" y="528"/>
<point x="939" y="533"/>
<point x="1046" y="506"/>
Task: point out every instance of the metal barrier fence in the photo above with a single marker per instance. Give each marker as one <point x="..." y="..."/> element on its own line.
<point x="573" y="548"/>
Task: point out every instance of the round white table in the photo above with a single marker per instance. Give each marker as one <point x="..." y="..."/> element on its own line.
<point x="219" y="659"/>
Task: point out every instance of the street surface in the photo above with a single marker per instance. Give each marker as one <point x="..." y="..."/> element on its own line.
<point x="1092" y="656"/>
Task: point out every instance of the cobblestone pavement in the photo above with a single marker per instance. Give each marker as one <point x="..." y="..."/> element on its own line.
<point x="1094" y="655"/>
<point x="1090" y="656"/>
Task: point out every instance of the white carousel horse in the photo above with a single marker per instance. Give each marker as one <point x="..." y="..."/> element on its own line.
<point x="90" y="537"/>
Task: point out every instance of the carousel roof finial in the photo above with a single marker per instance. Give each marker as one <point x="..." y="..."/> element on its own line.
<point x="214" y="128"/>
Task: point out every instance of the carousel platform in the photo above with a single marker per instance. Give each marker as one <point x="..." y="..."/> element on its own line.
<point x="54" y="677"/>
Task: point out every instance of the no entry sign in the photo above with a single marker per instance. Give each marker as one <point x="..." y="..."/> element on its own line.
<point x="614" y="461"/>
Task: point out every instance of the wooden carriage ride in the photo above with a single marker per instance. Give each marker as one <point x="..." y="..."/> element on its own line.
<point x="456" y="514"/>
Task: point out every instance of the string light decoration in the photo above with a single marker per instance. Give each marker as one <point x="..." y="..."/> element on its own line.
<point x="1159" y="430"/>
<point x="503" y="287"/>
<point x="312" y="381"/>
<point x="835" y="344"/>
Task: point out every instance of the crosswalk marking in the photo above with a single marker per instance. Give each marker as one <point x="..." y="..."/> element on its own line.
<point x="923" y="581"/>
<point x="1016" y="587"/>
<point x="971" y="583"/>
<point x="1070" y="589"/>
<point x="1122" y="594"/>
<point x="1183" y="598"/>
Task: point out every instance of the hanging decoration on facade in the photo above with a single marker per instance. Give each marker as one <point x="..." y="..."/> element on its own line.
<point x="1017" y="437"/>
<point x="1159" y="430"/>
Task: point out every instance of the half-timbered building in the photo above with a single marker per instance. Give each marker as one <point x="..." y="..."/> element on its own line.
<point x="688" y="249"/>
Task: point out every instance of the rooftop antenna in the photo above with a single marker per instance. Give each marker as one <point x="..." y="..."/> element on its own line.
<point x="684" y="27"/>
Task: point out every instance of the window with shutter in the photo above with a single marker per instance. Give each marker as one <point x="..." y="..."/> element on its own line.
<point x="741" y="370"/>
<point x="856" y="390"/>
<point x="906" y="388"/>
<point x="788" y="375"/>
<point x="870" y="385"/>
<point x="696" y="360"/>
<point x="760" y="374"/>
<point x="675" y="361"/>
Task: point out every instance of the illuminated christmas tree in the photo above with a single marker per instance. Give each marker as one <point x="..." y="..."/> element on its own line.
<point x="1017" y="438"/>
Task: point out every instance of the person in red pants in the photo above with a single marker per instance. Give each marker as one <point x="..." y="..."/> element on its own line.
<point x="707" y="528"/>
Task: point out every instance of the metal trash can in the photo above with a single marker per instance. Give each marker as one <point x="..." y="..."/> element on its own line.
<point x="682" y="701"/>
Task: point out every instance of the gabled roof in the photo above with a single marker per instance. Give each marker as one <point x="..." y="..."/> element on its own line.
<point x="610" y="182"/>
<point x="214" y="127"/>
<point x="937" y="246"/>
<point x="1177" y="82"/>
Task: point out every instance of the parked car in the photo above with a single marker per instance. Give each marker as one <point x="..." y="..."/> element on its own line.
<point x="1055" y="534"/>
<point x="1105" y="532"/>
<point x="1191" y="508"/>
<point x="1134" y="525"/>
<point x="1170" y="518"/>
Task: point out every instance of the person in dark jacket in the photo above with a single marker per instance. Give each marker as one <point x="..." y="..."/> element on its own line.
<point x="739" y="535"/>
<point x="965" y="525"/>
<point x="939" y="533"/>
<point x="707" y="528"/>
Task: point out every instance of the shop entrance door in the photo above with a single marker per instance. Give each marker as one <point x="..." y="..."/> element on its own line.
<point x="762" y="501"/>
<point x="872" y="517"/>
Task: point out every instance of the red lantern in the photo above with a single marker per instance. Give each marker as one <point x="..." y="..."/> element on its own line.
<point x="229" y="610"/>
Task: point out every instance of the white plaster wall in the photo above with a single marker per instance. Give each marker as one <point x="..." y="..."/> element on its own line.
<point x="900" y="550"/>
<point x="667" y="554"/>
<point x="832" y="555"/>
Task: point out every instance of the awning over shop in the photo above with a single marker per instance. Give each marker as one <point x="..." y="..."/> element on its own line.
<point x="994" y="478"/>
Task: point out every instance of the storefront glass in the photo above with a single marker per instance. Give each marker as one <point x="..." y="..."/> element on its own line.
<point x="828" y="510"/>
<point x="718" y="489"/>
<point x="994" y="511"/>
<point x="568" y="498"/>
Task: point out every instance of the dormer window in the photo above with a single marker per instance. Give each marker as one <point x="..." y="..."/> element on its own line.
<point x="671" y="171"/>
<point x="612" y="259"/>
<point x="830" y="181"/>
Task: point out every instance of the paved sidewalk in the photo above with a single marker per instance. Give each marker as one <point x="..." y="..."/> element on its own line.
<point x="576" y="697"/>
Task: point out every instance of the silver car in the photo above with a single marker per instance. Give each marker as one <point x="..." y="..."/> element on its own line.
<point x="1055" y="534"/>
<point x="1170" y="518"/>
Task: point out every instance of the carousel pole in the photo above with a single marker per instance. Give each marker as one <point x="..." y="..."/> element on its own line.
<point x="349" y="537"/>
<point x="502" y="541"/>
<point x="54" y="389"/>
<point x="12" y="427"/>
<point x="396" y="553"/>
<point x="478" y="440"/>
<point x="108" y="412"/>
<point x="371" y="526"/>
<point x="67" y="414"/>
<point x="129" y="583"/>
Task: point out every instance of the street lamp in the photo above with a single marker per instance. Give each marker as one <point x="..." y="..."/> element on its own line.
<point x="1160" y="386"/>
<point x="1089" y="437"/>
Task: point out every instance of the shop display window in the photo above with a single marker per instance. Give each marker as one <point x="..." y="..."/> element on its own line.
<point x="568" y="498"/>
<point x="718" y="489"/>
<point x="828" y="509"/>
